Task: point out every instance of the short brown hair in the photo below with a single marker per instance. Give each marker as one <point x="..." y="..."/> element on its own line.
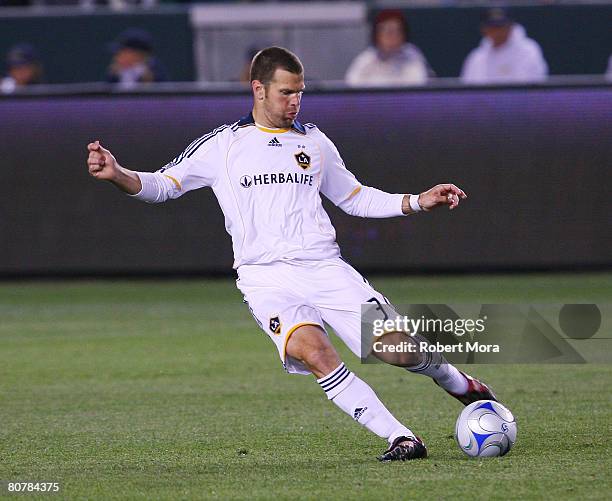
<point x="387" y="15"/>
<point x="268" y="60"/>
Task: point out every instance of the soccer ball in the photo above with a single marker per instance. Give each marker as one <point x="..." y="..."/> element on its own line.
<point x="485" y="429"/>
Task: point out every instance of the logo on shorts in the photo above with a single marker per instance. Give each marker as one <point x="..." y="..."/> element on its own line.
<point x="359" y="412"/>
<point x="302" y="159"/>
<point x="246" y="181"/>
<point x="275" y="325"/>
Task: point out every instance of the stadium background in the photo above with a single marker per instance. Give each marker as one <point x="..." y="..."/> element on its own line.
<point x="532" y="160"/>
<point x="166" y="389"/>
<point x="576" y="38"/>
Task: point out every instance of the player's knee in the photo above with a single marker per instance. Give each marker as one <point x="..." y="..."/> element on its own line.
<point x="311" y="346"/>
<point x="321" y="361"/>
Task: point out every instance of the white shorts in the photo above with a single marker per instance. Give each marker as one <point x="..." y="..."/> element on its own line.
<point x="283" y="296"/>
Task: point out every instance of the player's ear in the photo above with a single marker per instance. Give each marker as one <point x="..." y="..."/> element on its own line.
<point x="259" y="90"/>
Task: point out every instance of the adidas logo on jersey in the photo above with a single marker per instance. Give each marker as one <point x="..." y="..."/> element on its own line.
<point x="359" y="412"/>
<point x="274" y="142"/>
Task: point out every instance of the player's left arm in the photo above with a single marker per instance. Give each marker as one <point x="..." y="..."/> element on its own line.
<point x="342" y="188"/>
<point x="370" y="202"/>
<point x="446" y="194"/>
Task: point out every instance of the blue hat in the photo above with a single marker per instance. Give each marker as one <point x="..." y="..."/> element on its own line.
<point x="21" y="54"/>
<point x="496" y="17"/>
<point x="133" y="38"/>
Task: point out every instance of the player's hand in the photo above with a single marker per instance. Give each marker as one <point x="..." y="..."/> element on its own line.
<point x="101" y="162"/>
<point x="441" y="194"/>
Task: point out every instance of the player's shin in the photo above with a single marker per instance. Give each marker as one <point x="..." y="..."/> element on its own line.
<point x="441" y="371"/>
<point x="360" y="402"/>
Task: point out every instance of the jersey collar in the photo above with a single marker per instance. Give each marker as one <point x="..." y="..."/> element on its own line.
<point x="249" y="120"/>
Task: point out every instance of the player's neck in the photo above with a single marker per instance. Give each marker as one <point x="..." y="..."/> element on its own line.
<point x="269" y="127"/>
<point x="261" y="120"/>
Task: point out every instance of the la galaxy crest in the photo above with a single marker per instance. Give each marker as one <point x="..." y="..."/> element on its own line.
<point x="275" y="325"/>
<point x="302" y="159"/>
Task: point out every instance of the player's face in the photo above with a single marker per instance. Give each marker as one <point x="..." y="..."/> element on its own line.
<point x="281" y="102"/>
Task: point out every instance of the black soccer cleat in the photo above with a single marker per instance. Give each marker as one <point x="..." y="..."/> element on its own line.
<point x="404" y="449"/>
<point x="477" y="390"/>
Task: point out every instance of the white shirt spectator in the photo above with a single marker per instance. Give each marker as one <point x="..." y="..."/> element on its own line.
<point x="520" y="59"/>
<point x="408" y="66"/>
<point x="8" y="85"/>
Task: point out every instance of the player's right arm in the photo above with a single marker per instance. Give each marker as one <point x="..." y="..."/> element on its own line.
<point x="103" y="165"/>
<point x="193" y="169"/>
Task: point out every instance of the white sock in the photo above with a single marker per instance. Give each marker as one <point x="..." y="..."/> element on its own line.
<point x="446" y="375"/>
<point x="360" y="402"/>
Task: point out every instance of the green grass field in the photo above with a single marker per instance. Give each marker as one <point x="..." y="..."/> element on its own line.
<point x="168" y="390"/>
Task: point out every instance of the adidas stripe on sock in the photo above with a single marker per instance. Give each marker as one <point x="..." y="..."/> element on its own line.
<point x="335" y="382"/>
<point x="359" y="401"/>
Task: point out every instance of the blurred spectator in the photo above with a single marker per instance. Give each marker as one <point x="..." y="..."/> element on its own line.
<point x="133" y="60"/>
<point x="609" y="71"/>
<point x="23" y="68"/>
<point x="505" y="54"/>
<point x="391" y="60"/>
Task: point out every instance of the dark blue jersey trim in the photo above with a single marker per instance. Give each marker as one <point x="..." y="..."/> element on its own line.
<point x="249" y="120"/>
<point x="206" y="138"/>
<point x="194" y="145"/>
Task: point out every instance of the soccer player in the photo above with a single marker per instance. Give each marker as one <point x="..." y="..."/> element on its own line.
<point x="268" y="171"/>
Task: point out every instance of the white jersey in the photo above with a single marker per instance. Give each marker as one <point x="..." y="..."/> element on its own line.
<point x="268" y="184"/>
